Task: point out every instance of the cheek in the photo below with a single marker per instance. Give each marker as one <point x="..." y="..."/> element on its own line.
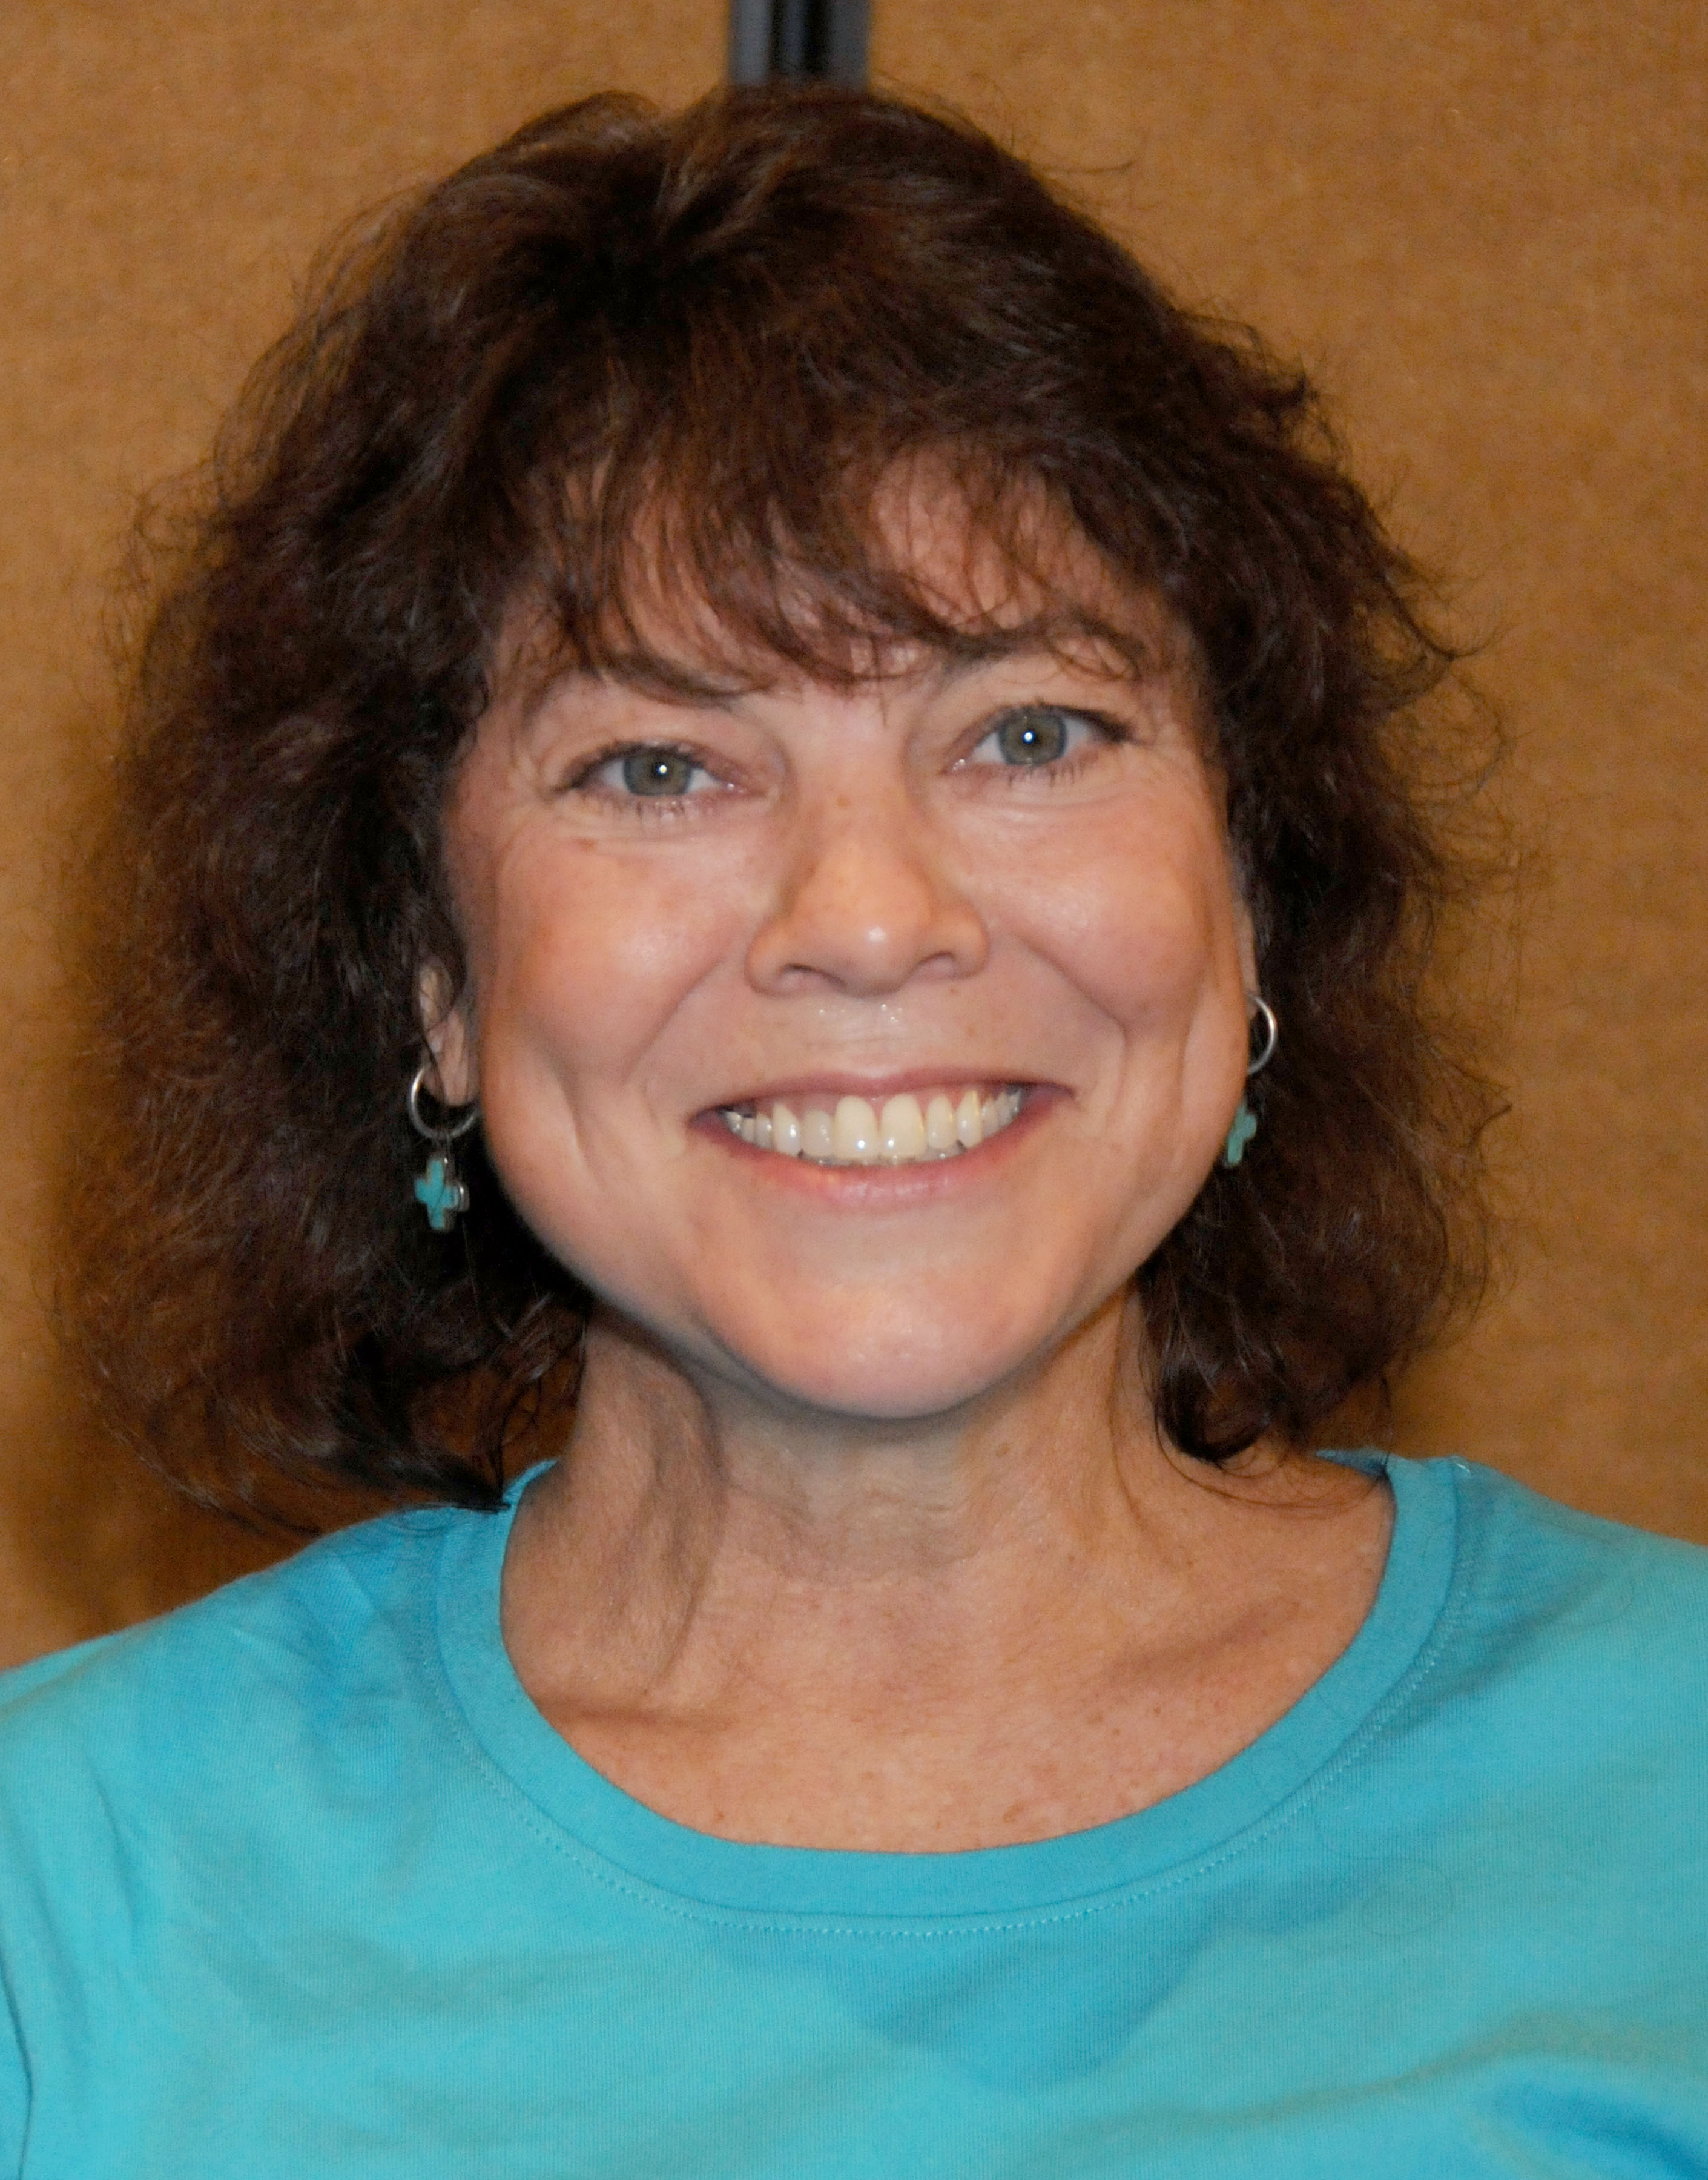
<point x="1142" y="920"/>
<point x="602" y="977"/>
<point x="586" y="959"/>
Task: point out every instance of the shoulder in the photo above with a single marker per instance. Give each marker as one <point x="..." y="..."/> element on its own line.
<point x="181" y="1803"/>
<point x="1570" y="1624"/>
<point x="226" y="1683"/>
<point x="1541" y="1565"/>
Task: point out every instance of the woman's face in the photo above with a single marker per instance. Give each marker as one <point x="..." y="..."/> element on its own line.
<point x="965" y="944"/>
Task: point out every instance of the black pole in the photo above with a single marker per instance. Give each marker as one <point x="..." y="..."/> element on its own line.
<point x="797" y="40"/>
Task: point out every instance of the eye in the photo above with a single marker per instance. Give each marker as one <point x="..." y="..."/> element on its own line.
<point x="652" y="771"/>
<point x="1031" y="736"/>
<point x="658" y="771"/>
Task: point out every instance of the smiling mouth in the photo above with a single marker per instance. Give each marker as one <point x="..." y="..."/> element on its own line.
<point x="912" y="1128"/>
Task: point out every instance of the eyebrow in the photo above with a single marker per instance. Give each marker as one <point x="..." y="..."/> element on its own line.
<point x="1046" y="636"/>
<point x="959" y="655"/>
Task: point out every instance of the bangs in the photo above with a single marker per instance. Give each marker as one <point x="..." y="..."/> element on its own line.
<point x="695" y="568"/>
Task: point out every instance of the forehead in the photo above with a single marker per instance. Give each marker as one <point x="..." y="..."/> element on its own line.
<point x="1008" y="557"/>
<point x="930" y="568"/>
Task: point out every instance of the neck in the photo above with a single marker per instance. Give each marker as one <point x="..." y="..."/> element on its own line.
<point x="834" y="1630"/>
<point x="662" y="1452"/>
<point x="689" y="1505"/>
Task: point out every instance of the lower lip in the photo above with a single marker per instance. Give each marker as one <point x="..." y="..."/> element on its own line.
<point x="884" y="1186"/>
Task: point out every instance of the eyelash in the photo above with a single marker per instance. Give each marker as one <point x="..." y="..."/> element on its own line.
<point x="1105" y="732"/>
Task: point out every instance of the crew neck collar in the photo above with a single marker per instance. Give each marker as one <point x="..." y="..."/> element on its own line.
<point x="1259" y="1787"/>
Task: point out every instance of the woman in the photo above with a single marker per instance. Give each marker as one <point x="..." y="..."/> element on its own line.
<point x="782" y="857"/>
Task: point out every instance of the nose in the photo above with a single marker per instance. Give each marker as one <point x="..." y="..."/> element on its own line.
<point x="865" y="905"/>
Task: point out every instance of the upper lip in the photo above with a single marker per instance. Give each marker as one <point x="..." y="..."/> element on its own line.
<point x="874" y="1088"/>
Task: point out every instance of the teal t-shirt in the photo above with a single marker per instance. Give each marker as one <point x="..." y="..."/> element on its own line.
<point x="295" y="1883"/>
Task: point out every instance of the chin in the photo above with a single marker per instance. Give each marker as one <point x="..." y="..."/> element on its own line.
<point x="883" y="1372"/>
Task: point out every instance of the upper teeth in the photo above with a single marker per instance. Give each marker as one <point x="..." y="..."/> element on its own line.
<point x="831" y="1130"/>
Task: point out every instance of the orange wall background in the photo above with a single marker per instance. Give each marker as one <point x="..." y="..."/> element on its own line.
<point x="1482" y="225"/>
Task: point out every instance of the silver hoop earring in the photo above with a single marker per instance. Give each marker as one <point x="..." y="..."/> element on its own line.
<point x="439" y="1188"/>
<point x="1271" y="1034"/>
<point x="1245" y="1120"/>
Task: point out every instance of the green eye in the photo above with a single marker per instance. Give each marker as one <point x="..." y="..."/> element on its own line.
<point x="657" y="771"/>
<point x="1034" y="734"/>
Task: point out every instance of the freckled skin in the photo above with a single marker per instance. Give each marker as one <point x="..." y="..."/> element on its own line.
<point x="854" y="896"/>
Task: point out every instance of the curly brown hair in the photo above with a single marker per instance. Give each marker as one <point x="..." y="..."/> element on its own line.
<point x="719" y="331"/>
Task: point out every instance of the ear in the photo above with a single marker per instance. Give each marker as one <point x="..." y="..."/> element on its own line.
<point x="1245" y="936"/>
<point x="1244" y="922"/>
<point x="447" y="1025"/>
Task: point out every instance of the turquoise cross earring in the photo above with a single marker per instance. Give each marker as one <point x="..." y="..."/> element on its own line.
<point x="440" y="1190"/>
<point x="439" y="1193"/>
<point x="1245" y="1120"/>
<point x="1238" y="1136"/>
